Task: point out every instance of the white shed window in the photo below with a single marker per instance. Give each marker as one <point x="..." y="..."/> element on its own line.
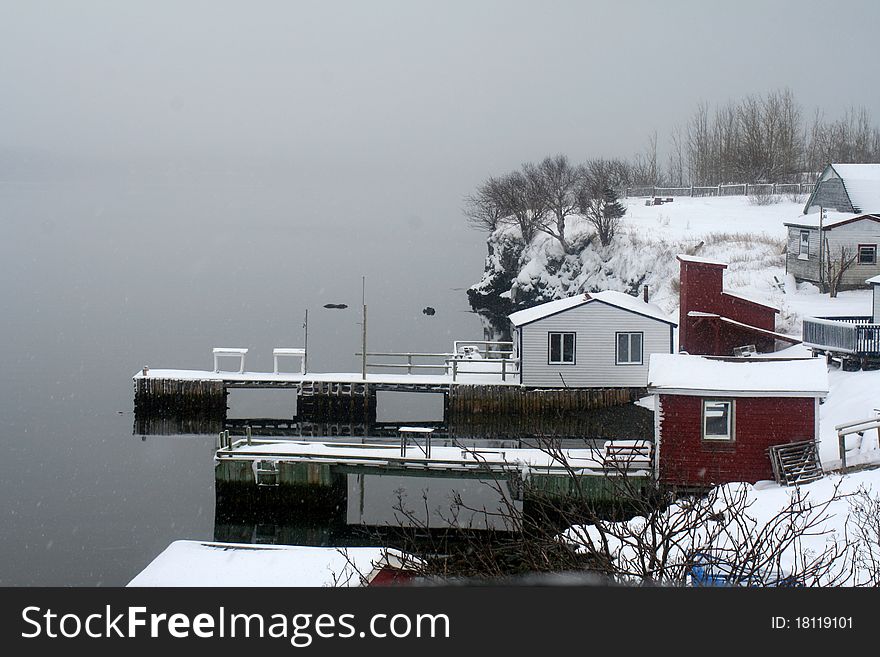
<point x="804" y="248"/>
<point x="629" y="348"/>
<point x="561" y="349"/>
<point x="867" y="254"/>
<point x="717" y="419"/>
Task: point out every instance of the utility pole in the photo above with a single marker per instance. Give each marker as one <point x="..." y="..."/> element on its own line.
<point x="305" y="366"/>
<point x="821" y="250"/>
<point x="364" y="328"/>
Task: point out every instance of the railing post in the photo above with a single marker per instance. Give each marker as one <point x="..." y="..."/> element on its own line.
<point x="409" y="363"/>
<point x="841" y="447"/>
<point x="454" y="368"/>
<point x="504" y="369"/>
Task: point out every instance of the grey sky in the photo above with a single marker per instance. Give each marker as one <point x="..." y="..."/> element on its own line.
<point x="474" y="86"/>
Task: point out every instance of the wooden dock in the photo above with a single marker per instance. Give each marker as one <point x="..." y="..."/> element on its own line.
<point x="349" y="397"/>
<point x="322" y="468"/>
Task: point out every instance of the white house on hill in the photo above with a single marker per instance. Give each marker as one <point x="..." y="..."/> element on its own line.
<point x="595" y="340"/>
<point x="850" y="196"/>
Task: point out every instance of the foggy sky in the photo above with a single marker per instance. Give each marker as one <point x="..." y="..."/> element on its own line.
<point x="409" y="88"/>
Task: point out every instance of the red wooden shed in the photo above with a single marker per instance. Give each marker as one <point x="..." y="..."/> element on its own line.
<point x="713" y="320"/>
<point x="715" y="419"/>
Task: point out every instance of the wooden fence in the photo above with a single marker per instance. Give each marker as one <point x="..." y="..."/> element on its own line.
<point x="739" y="189"/>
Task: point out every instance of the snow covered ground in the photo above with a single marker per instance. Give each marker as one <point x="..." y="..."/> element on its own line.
<point x="853" y="396"/>
<point x="836" y="514"/>
<point x="750" y="238"/>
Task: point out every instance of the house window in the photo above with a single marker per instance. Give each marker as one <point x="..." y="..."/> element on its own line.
<point x="804" y="248"/>
<point x="717" y="419"/>
<point x="629" y="348"/>
<point x="867" y="254"/>
<point x="561" y="349"/>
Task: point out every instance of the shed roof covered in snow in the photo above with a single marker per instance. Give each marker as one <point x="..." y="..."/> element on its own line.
<point x="847" y="188"/>
<point x="683" y="257"/>
<point x="196" y="563"/>
<point x="610" y="297"/>
<point x="874" y="280"/>
<point x="682" y="374"/>
<point x="862" y="182"/>
<point x="832" y="219"/>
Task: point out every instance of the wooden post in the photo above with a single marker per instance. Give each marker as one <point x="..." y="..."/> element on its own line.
<point x="305" y="358"/>
<point x="821" y="267"/>
<point x="841" y="447"/>
<point x="504" y="369"/>
<point x="364" y="329"/>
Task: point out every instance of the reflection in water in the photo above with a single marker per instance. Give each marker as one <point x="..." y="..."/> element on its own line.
<point x="365" y="509"/>
<point x="432" y="502"/>
<point x="360" y="508"/>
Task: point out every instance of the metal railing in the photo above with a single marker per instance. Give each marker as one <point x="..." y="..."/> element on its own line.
<point x="486" y="348"/>
<point x="851" y="335"/>
<point x="490" y="357"/>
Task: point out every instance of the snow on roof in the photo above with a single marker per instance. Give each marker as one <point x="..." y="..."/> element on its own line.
<point x="706" y="261"/>
<point x="194" y="563"/>
<point x="686" y="374"/>
<point x="862" y="182"/>
<point x="612" y="298"/>
<point x="750" y="299"/>
<point x="633" y="304"/>
<point x="546" y="309"/>
<point x="831" y="219"/>
<point x="874" y="280"/>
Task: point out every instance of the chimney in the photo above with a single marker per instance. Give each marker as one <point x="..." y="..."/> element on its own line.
<point x="645" y="294"/>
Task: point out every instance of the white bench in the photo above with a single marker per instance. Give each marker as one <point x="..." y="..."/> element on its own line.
<point x="300" y="353"/>
<point x="226" y="351"/>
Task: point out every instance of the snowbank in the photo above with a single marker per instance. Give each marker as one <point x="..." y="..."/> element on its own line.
<point x="750" y="238"/>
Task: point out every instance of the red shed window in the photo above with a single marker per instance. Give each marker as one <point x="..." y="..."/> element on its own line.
<point x="717" y="419"/>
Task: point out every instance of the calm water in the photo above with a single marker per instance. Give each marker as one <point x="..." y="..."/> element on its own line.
<point x="102" y="277"/>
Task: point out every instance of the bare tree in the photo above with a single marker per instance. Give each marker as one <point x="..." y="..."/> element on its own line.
<point x="521" y="202"/>
<point x="675" y="167"/>
<point x="558" y="181"/>
<point x="598" y="202"/>
<point x="485" y="208"/>
<point x="836" y="265"/>
<point x="864" y="524"/>
<point x="644" y="169"/>
<point x="647" y="535"/>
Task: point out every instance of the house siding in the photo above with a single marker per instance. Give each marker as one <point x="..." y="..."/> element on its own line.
<point x="849" y="236"/>
<point x="595" y="325"/>
<point x="865" y="231"/>
<point x="831" y="194"/>
<point x="806" y="269"/>
<point x="686" y="460"/>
